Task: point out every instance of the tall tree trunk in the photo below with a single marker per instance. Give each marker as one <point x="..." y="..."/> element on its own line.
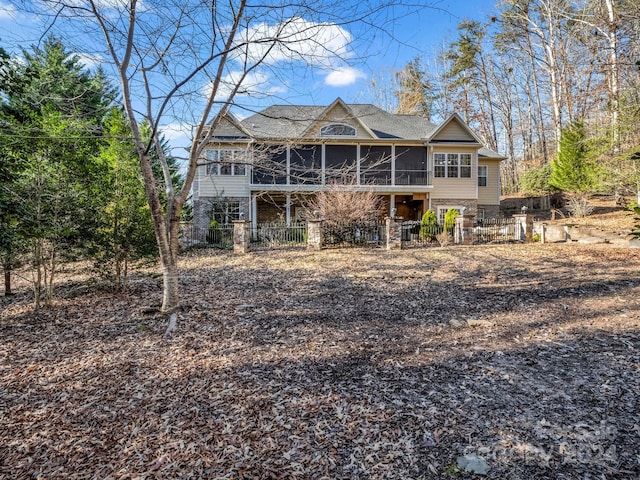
<point x="613" y="67"/>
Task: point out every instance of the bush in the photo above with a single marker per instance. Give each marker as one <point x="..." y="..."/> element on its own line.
<point x="429" y="227"/>
<point x="450" y="219"/>
<point x="444" y="238"/>
<point x="579" y="206"/>
<point x="213" y="235"/>
<point x="535" y="181"/>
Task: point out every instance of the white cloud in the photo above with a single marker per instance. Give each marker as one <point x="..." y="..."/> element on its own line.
<point x="294" y="40"/>
<point x="7" y="11"/>
<point x="254" y="84"/>
<point x="343" y="76"/>
<point x="89" y="60"/>
<point x="175" y="131"/>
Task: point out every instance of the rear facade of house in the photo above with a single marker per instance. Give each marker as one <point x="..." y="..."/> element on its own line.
<point x="266" y="167"/>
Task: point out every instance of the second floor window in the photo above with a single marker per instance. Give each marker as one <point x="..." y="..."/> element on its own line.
<point x="226" y="161"/>
<point x="482" y="175"/>
<point x="338" y="130"/>
<point x="452" y="165"/>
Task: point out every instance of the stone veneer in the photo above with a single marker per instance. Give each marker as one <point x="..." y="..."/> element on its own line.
<point x="470" y="205"/>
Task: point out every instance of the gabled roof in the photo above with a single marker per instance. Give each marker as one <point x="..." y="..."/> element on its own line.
<point x="229" y="127"/>
<point x="462" y="126"/>
<point x="295" y="121"/>
<point x="326" y="117"/>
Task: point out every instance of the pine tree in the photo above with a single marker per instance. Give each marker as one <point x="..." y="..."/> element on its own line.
<point x="415" y="94"/>
<point x="571" y="171"/>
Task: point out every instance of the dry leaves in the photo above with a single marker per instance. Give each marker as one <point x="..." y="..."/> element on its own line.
<point x="334" y="364"/>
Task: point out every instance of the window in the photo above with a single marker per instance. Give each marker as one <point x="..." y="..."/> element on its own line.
<point x="465" y="165"/>
<point x="442" y="212"/>
<point x="452" y="165"/>
<point x="226" y="162"/>
<point x="439" y="163"/>
<point x="224" y="212"/>
<point x="482" y="175"/>
<point x="338" y="130"/>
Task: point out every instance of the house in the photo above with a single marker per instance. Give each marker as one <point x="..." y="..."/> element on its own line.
<point x="267" y="165"/>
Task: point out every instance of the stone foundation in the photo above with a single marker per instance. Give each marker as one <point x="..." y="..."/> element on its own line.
<point x="471" y="206"/>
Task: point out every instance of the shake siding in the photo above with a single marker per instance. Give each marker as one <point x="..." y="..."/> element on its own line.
<point x="490" y="195"/>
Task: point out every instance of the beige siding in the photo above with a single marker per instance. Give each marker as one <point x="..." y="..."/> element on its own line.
<point x="449" y="149"/>
<point x="463" y="188"/>
<point x="223" y="185"/>
<point x="454" y="131"/>
<point x="454" y="188"/>
<point x="490" y="195"/>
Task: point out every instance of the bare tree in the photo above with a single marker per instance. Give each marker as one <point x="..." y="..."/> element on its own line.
<point x="179" y="57"/>
<point x="341" y="203"/>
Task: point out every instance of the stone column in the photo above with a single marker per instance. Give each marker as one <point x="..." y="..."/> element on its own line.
<point x="524" y="227"/>
<point x="314" y="234"/>
<point x="241" y="236"/>
<point x="463" y="232"/>
<point x="394" y="233"/>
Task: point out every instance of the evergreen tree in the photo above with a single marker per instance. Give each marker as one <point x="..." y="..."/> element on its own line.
<point x="535" y="181"/>
<point x="125" y="228"/>
<point x="429" y="227"/>
<point x="450" y="219"/>
<point x="571" y="171"/>
<point x="415" y="93"/>
<point x="52" y="114"/>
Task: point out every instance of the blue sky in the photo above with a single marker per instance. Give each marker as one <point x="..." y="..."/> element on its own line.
<point x="367" y="55"/>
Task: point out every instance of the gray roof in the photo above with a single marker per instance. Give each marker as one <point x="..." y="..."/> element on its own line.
<point x="291" y="121"/>
<point x="488" y="153"/>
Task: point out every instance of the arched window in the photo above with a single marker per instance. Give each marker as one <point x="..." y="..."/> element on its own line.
<point x="338" y="130"/>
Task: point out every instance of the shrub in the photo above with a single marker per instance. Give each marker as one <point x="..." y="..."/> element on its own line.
<point x="450" y="219"/>
<point x="535" y="181"/>
<point x="429" y="226"/>
<point x="444" y="238"/>
<point x="579" y="206"/>
<point x="213" y="235"/>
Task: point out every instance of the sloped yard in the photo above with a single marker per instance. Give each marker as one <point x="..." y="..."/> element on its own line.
<point x="340" y="364"/>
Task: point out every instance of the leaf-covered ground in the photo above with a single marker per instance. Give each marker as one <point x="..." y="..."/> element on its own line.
<point x="348" y="364"/>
